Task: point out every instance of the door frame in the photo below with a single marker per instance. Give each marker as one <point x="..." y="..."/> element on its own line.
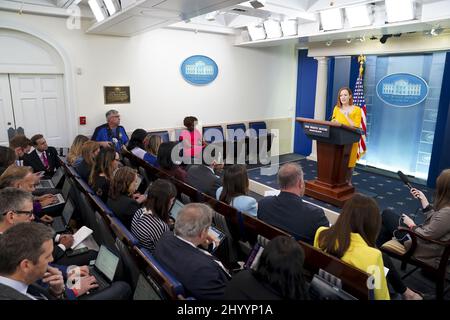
<point x="68" y="75"/>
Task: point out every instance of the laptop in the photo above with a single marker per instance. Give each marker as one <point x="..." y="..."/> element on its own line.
<point x="60" y="223"/>
<point x="104" y="268"/>
<point x="53" y="182"/>
<point x="59" y="200"/>
<point x="176" y="207"/>
<point x="146" y="289"/>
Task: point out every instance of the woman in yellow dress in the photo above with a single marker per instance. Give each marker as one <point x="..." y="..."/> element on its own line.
<point x="346" y="113"/>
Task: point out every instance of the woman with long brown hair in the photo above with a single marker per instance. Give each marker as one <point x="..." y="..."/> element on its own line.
<point x="152" y="220"/>
<point x="235" y="189"/>
<point x="123" y="199"/>
<point x="353" y="240"/>
<point x="106" y="163"/>
<point x="435" y="226"/>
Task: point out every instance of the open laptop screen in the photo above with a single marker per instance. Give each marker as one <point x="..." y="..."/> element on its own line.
<point x="106" y="262"/>
<point x="57" y="176"/>
<point x="145" y="290"/>
<point x="177" y="205"/>
<point x="68" y="211"/>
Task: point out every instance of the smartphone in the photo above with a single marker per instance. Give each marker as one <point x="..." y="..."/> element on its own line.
<point x="217" y="234"/>
<point x="71" y="253"/>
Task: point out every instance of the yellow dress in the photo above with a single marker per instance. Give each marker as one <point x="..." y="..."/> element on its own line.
<point x="365" y="258"/>
<point x="355" y="116"/>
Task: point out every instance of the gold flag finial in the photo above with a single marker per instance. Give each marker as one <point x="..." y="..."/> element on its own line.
<point x="361" y="60"/>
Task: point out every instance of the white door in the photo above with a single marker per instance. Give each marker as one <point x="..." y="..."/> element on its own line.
<point x="6" y="113"/>
<point x="38" y="102"/>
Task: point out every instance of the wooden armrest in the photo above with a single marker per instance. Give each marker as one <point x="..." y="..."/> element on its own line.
<point x="428" y="239"/>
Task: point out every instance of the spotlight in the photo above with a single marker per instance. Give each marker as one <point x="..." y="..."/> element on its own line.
<point x="257" y="4"/>
<point x="384" y="38"/>
<point x="328" y="43"/>
<point x="349" y="40"/>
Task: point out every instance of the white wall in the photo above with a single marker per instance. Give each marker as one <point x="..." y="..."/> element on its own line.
<point x="252" y="83"/>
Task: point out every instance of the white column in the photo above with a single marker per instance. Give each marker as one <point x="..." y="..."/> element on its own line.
<point x="321" y="97"/>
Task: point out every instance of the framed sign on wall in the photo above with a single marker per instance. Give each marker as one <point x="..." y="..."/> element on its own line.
<point x="117" y="94"/>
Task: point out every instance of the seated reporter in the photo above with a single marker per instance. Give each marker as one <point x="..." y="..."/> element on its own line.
<point x="152" y="220"/>
<point x="89" y="152"/>
<point x="7" y="158"/>
<point x="26" y="272"/>
<point x="74" y="157"/>
<point x="43" y="158"/>
<point x="106" y="162"/>
<point x="23" y="178"/>
<point x="278" y="275"/>
<point x="235" y="190"/>
<point x="24" y="262"/>
<point x="352" y="239"/>
<point x="16" y="206"/>
<point x="152" y="142"/>
<point x="166" y="161"/>
<point x="435" y="226"/>
<point x="202" y="275"/>
<point x="123" y="199"/>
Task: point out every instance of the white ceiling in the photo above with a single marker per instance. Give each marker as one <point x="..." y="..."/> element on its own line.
<point x="233" y="16"/>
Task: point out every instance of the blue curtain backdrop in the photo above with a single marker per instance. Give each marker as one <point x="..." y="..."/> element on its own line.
<point x="401" y="138"/>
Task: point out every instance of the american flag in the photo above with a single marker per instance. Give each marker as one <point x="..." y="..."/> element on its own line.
<point x="358" y="100"/>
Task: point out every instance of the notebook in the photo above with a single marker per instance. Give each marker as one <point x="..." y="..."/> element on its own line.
<point x="253" y="257"/>
<point x="80" y="236"/>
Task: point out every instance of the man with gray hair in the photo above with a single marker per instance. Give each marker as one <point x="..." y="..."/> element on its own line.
<point x="202" y="275"/>
<point x="111" y="134"/>
<point x="288" y="211"/>
<point x="16" y="206"/>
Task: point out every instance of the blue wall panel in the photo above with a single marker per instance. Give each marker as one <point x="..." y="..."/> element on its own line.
<point x="306" y="94"/>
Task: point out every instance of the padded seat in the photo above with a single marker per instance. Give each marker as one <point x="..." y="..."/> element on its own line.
<point x="394" y="246"/>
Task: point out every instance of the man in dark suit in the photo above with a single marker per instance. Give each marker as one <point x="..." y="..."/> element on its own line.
<point x="202" y="275"/>
<point x="203" y="177"/>
<point x="288" y="211"/>
<point x="43" y="157"/>
<point x="24" y="262"/>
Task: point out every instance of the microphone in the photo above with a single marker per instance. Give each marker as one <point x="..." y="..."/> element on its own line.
<point x="404" y="178"/>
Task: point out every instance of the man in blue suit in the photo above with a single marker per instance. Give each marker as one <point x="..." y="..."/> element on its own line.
<point x="202" y="275"/>
<point x="111" y="133"/>
<point x="288" y="211"/>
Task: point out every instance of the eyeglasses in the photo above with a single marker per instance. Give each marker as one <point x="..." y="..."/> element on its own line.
<point x="28" y="213"/>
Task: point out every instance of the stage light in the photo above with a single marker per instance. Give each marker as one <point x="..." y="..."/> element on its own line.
<point x="97" y="10"/>
<point x="349" y="40"/>
<point x="289" y="27"/>
<point x="328" y="43"/>
<point x="358" y="16"/>
<point x="256" y="32"/>
<point x="112" y="6"/>
<point x="331" y="19"/>
<point x="399" y="10"/>
<point x="257" y="4"/>
<point x="273" y="29"/>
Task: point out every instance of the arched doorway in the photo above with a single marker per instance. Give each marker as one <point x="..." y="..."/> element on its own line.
<point x="33" y="89"/>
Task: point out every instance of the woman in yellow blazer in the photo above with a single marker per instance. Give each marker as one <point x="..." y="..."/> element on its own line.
<point x="346" y="113"/>
<point x="352" y="239"/>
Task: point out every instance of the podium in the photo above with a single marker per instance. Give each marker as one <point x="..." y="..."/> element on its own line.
<point x="334" y="145"/>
